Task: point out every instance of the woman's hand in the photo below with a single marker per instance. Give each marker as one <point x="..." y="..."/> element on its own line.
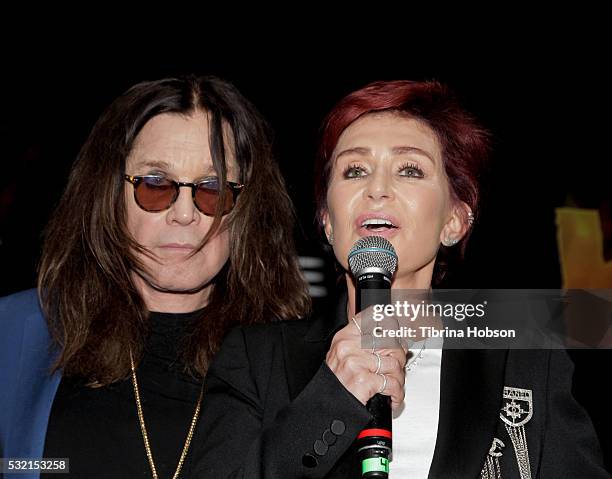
<point x="360" y="371"/>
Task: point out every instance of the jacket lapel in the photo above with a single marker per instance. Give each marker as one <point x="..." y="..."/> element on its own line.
<point x="471" y="385"/>
<point x="528" y="369"/>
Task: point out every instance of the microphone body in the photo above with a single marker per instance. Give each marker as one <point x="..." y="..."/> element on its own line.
<point x="373" y="261"/>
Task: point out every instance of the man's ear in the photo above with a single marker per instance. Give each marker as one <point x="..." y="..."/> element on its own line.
<point x="457" y="224"/>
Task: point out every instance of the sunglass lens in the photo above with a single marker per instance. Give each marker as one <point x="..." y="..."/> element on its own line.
<point x="207" y="197"/>
<point x="155" y="194"/>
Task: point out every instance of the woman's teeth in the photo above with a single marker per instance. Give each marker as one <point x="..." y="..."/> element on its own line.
<point x="376" y="224"/>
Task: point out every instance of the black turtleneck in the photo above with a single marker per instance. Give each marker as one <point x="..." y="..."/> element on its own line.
<point x="98" y="429"/>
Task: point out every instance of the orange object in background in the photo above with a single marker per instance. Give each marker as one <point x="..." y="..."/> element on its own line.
<point x="580" y="242"/>
<point x="581" y="254"/>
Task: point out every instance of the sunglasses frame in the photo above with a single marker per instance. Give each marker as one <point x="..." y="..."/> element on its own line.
<point x="136" y="180"/>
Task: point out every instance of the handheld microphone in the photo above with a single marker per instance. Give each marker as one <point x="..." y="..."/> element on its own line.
<point x="373" y="262"/>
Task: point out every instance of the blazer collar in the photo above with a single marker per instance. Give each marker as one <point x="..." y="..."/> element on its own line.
<point x="471" y="385"/>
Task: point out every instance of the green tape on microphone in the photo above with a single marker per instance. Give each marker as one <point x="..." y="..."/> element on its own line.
<point x="375" y="464"/>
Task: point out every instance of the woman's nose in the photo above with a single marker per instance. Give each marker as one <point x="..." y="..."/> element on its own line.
<point x="379" y="185"/>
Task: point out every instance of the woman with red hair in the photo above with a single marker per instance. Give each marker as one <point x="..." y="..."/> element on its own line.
<point x="399" y="160"/>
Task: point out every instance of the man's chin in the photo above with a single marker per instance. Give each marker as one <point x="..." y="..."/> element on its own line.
<point x="173" y="285"/>
<point x="177" y="288"/>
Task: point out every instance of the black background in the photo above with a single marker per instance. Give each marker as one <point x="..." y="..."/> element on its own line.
<point x="542" y="98"/>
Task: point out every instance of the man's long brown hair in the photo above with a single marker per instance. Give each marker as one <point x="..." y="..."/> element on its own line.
<point x="94" y="312"/>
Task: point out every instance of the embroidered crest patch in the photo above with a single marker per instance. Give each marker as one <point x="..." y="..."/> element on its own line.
<point x="517" y="406"/>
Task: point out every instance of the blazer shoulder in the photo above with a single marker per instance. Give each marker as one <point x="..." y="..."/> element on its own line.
<point x="269" y="330"/>
<point x="18" y="309"/>
<point x="25" y="301"/>
<point x="23" y="327"/>
<point x="247" y="345"/>
<point x="261" y="338"/>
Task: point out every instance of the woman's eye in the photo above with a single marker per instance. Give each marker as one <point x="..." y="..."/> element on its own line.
<point x="412" y="171"/>
<point x="354" y="172"/>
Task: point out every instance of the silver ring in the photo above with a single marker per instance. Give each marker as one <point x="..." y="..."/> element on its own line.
<point x="378" y="362"/>
<point x="384" y="385"/>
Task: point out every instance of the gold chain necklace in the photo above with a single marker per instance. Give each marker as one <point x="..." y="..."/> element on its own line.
<point x="143" y="428"/>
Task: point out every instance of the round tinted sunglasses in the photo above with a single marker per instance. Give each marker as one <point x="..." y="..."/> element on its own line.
<point x="156" y="193"/>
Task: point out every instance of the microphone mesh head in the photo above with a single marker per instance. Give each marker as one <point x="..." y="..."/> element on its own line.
<point x="372" y="252"/>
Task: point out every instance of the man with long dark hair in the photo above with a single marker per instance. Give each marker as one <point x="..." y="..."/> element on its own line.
<point x="174" y="226"/>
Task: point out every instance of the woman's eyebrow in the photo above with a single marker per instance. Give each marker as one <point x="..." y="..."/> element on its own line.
<point x="401" y="150"/>
<point x="396" y="150"/>
<point x="357" y="150"/>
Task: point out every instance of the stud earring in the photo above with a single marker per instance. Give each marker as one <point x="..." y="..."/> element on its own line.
<point x="470" y="218"/>
<point x="450" y="242"/>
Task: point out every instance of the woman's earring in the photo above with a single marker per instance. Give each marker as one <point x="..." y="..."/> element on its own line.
<point x="330" y="237"/>
<point x="450" y="242"/>
<point x="470" y="218"/>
